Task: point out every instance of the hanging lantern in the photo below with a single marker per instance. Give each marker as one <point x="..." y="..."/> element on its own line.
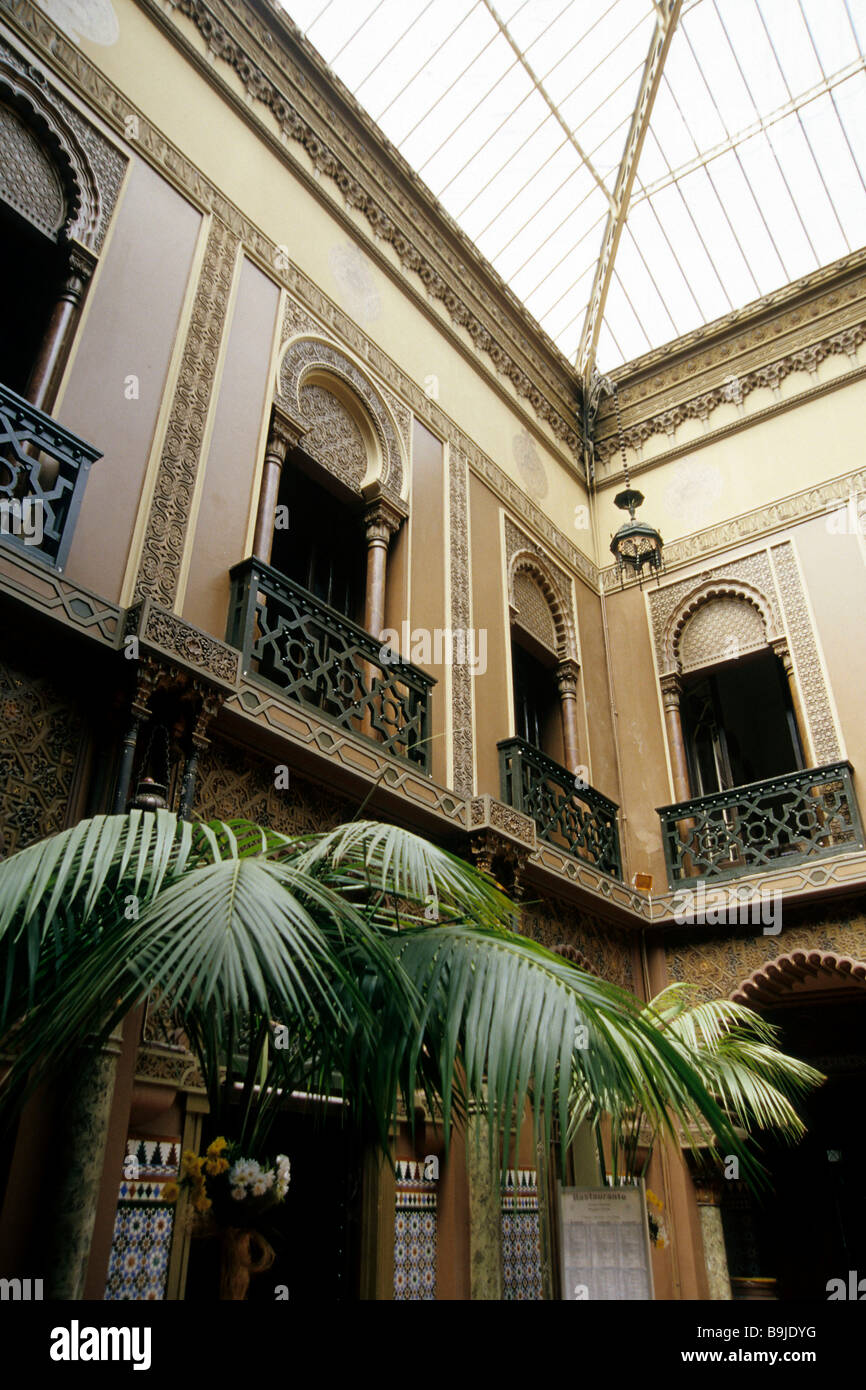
<point x="637" y="546"/>
<point x="150" y="794"/>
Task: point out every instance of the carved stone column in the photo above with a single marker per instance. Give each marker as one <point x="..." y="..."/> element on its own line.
<point x="285" y="434"/>
<point x="53" y="351"/>
<point x="567" y="673"/>
<point x="210" y="705"/>
<point x="87" y="1113"/>
<point x="485" y="1212"/>
<point x="708" y="1191"/>
<point x="671" y="694"/>
<point x="780" y="647"/>
<point x="382" y="520"/>
<point x="139" y="711"/>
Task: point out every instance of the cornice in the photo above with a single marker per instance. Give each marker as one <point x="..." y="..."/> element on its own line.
<point x="810" y="321"/>
<point x="96" y="92"/>
<point x="284" y="75"/>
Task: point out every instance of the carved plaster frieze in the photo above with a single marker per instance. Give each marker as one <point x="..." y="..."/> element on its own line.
<point x="56" y="168"/>
<point x="462" y="719"/>
<point x="733" y="389"/>
<point x="168" y="520"/>
<point x="283" y="73"/>
<point x="164" y="633"/>
<point x="523" y="556"/>
<point x="334" y="437"/>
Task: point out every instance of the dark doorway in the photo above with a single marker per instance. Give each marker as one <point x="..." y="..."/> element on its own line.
<point x="536" y="701"/>
<point x="739" y="724"/>
<point x="31" y="283"/>
<point x="322" y="548"/>
<point x="812" y="1227"/>
<point x="315" y="1232"/>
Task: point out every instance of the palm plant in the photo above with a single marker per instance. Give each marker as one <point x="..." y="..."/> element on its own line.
<point x="365" y="959"/>
<point x="734" y="1051"/>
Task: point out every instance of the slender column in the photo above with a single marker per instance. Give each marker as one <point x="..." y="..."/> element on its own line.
<point x="209" y="707"/>
<point x="382" y="520"/>
<point x="485" y="1212"/>
<point x="58" y="336"/>
<point x="671" y="693"/>
<point x="87" y="1117"/>
<point x="783" y="653"/>
<point x="708" y="1192"/>
<point x="567" y="673"/>
<point x="285" y="434"/>
<point x="139" y="709"/>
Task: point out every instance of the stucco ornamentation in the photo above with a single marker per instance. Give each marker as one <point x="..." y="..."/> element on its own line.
<point x="159" y="567"/>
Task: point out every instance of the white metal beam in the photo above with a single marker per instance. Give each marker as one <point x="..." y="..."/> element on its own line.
<point x="668" y="17"/>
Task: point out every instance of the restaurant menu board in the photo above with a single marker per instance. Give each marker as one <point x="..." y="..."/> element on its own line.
<point x="604" y="1240"/>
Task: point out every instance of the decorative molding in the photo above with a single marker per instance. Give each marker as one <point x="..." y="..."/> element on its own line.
<point x="42" y="735"/>
<point x="734" y="390"/>
<point x="73" y="174"/>
<point x="162" y="550"/>
<point x="716" y="597"/>
<point x="807" y="661"/>
<point x="721" y="965"/>
<point x="460" y="580"/>
<point x="164" y="633"/>
<point x="283" y="73"/>
<point x="789" y="973"/>
<point x="334" y="436"/>
<point x="523" y="555"/>
<point x="751" y="579"/>
<point x="48" y="592"/>
<point x="754" y="525"/>
<point x="486" y="813"/>
<point x="305" y="297"/>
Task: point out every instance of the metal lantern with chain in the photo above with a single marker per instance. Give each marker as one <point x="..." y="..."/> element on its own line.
<point x="637" y="546"/>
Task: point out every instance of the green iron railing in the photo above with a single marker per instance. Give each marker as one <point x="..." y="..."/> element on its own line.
<point x="43" y="473"/>
<point x="765" y="825"/>
<point x="313" y="654"/>
<point x="567" y="813"/>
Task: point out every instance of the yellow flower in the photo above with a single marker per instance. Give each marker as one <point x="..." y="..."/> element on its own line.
<point x="201" y="1202"/>
<point x="216" y="1148"/>
<point x="214" y="1166"/>
<point x="190" y="1165"/>
<point x="170" y="1191"/>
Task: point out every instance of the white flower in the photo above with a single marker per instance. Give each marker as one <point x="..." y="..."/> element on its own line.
<point x="245" y="1171"/>
<point x="259" y="1187"/>
<point x="239" y="1193"/>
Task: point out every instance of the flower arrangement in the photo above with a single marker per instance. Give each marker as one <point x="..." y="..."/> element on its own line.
<point x="231" y="1189"/>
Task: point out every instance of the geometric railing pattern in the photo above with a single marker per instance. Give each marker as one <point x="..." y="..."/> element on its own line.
<point x="782" y="820"/>
<point x="43" y="472"/>
<point x="313" y="654"/>
<point x="567" y="813"/>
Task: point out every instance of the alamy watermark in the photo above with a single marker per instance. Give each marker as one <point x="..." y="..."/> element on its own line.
<point x="438" y="646"/>
<point x="23" y="517"/>
<point x="737" y="905"/>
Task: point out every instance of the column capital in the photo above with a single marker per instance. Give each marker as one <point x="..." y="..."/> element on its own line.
<point x="567" y="673"/>
<point x="285" y="433"/>
<point x="80" y="263"/>
<point x="672" y="690"/>
<point x="383" y="517"/>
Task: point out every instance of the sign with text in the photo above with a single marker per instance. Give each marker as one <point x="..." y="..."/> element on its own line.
<point x="604" y="1244"/>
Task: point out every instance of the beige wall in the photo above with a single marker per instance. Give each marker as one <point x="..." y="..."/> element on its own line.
<point x="132" y="315"/>
<point x="229" y="495"/>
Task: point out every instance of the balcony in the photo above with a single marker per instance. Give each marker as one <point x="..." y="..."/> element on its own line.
<point x="313" y="654"/>
<point x="765" y="825"/>
<point x="576" y="819"/>
<point x="43" y="473"/>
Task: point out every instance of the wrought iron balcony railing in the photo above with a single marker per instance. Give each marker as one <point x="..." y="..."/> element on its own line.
<point x="765" y="825"/>
<point x="568" y="814"/>
<point x="43" y="472"/>
<point x="313" y="654"/>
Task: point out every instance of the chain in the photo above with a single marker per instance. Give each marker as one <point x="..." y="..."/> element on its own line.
<point x="615" y="395"/>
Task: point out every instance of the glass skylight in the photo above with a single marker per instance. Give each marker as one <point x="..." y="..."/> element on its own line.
<point x="517" y="117"/>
